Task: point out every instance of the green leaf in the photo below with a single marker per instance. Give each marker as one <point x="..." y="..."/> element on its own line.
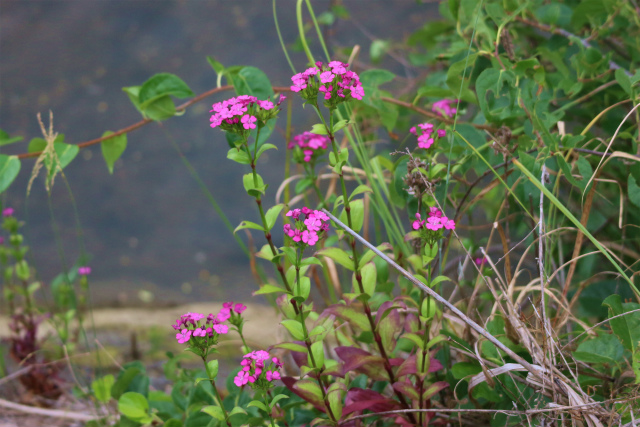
<point x="378" y="49"/>
<point x="278" y="398"/>
<point x="133" y="92"/>
<point x="272" y="214"/>
<point x="603" y="349"/>
<point x="624" y="81"/>
<point x="455" y="74"/>
<point x="135" y="407"/>
<point x="253" y="189"/>
<point x="260" y="405"/>
<point x="161" y="86"/>
<point x="301" y="290"/>
<point x="633" y="190"/>
<point x="212" y="369"/>
<point x="362" y="188"/>
<point x="160" y="109"/>
<point x="368" y="274"/>
<point x="294" y="328"/>
<point x="319" y="129"/>
<point x="292" y="347"/>
<point x="215" y="411"/>
<point x="339" y="125"/>
<point x="5" y="139"/>
<point x="9" y="169"/>
<point x="357" y="215"/>
<point x="339" y="256"/>
<point x="269" y="289"/>
<point x="252" y="81"/>
<point x="499" y="87"/>
<point x="263" y="148"/>
<point x="317" y="349"/>
<point x="238" y="156"/>
<point x="102" y="388"/>
<point x="248" y="224"/>
<point x="237" y="410"/>
<point x="113" y="148"/>
<point x="217" y="66"/>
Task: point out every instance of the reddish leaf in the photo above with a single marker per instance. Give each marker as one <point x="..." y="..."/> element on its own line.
<point x="347" y="314"/>
<point x="411" y="323"/>
<point x="386" y="306"/>
<point x="409" y="366"/>
<point x="363" y="362"/>
<point x="359" y="400"/>
<point x="306" y="390"/>
<point x="433" y="389"/>
<point x="388" y="328"/>
<point x="407" y="388"/>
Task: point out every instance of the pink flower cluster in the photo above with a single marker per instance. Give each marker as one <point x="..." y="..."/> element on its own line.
<point x="255" y="372"/>
<point x="332" y="79"/>
<point x="425" y="138"/>
<point x="196" y="325"/>
<point x="308" y="229"/>
<point x="310" y="144"/>
<point x="435" y="222"/>
<point x="84" y="271"/>
<point x="443" y="107"/>
<point x="7" y="212"/>
<point x="241" y="113"/>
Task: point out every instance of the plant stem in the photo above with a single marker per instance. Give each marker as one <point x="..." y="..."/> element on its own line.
<point x="215" y="391"/>
<point x="356" y="267"/>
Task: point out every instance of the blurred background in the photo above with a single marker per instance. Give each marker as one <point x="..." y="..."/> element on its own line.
<point x="148" y="227"/>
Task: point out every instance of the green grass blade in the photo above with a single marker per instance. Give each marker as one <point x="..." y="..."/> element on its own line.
<point x="575" y="221"/>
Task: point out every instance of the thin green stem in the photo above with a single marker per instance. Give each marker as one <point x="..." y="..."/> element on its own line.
<point x="315" y="24"/>
<point x="284" y="47"/>
<point x="303" y="38"/>
<point x="217" y="394"/>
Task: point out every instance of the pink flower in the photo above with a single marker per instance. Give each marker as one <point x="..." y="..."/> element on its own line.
<point x="306" y="210"/>
<point x="265" y="105"/>
<point x="273" y="375"/>
<point x="228" y="305"/>
<point x="309" y="237"/>
<point x="241" y="379"/>
<point x="480" y="260"/>
<point x="282" y="98"/>
<point x="424" y="141"/>
<point x="183" y="336"/>
<point x="84" y="271"/>
<point x="239" y="308"/>
<point x="326" y="77"/>
<point x="7" y="212"/>
<point x="297" y="235"/>
<point x="320" y="215"/>
<point x="338" y="67"/>
<point x="248" y="122"/>
<point x="449" y="224"/>
<point x="192" y="317"/>
<point x="433" y="211"/>
<point x="224" y="315"/>
<point x="311" y="71"/>
<point x="199" y="332"/>
<point x="357" y="92"/>
<point x="277" y="362"/>
<point x="433" y="223"/>
<point x="312" y="223"/>
<point x="221" y="329"/>
<point x="326" y="91"/>
<point x="295" y="213"/>
<point x="443" y="107"/>
<point x="442" y="133"/>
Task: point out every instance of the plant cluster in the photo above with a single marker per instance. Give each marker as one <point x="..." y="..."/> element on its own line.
<point x="479" y="300"/>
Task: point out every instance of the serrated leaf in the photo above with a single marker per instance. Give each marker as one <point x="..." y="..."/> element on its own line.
<point x="113" y="148"/>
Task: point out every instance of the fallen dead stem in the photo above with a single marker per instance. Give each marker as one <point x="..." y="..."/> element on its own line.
<point x="546" y="372"/>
